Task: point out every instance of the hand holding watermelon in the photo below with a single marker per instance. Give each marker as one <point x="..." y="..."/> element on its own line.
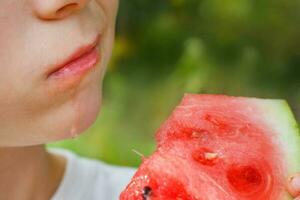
<point x="216" y="147"/>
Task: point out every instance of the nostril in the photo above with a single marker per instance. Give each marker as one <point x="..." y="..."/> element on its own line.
<point x="67" y="9"/>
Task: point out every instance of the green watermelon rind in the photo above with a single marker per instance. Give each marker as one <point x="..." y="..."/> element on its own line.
<point x="283" y="121"/>
<point x="279" y="116"/>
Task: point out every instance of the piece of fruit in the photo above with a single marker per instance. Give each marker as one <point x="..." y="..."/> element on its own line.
<point x="216" y="147"/>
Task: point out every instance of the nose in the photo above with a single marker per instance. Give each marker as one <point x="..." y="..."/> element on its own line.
<point x="57" y="9"/>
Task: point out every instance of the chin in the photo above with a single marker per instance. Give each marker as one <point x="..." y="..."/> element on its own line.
<point x="81" y="110"/>
<point x="87" y="107"/>
<point x="86" y="104"/>
<point x="73" y="119"/>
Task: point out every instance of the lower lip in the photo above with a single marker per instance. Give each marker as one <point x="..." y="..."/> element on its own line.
<point x="77" y="67"/>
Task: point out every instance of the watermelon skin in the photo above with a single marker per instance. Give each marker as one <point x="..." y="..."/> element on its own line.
<point x="216" y="147"/>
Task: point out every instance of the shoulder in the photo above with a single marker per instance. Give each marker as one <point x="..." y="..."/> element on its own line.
<point x="86" y="178"/>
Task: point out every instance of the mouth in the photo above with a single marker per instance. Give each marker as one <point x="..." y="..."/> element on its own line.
<point x="78" y="63"/>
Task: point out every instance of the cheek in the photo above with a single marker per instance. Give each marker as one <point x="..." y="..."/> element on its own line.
<point x="110" y="8"/>
<point x="13" y="22"/>
<point x="13" y="69"/>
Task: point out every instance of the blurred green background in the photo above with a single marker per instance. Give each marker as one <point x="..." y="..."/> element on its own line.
<point x="167" y="48"/>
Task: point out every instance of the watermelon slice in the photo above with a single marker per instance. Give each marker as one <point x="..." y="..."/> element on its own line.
<point x="216" y="147"/>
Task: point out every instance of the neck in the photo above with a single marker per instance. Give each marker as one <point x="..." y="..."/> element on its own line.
<point x="29" y="173"/>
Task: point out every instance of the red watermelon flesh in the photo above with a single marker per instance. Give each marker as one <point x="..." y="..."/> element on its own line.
<point x="216" y="147"/>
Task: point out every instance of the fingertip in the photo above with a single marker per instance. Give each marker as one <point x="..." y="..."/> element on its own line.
<point x="293" y="186"/>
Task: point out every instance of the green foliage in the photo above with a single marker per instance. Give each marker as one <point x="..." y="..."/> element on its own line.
<point x="167" y="48"/>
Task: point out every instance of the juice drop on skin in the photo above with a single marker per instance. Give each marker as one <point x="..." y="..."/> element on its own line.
<point x="74" y="132"/>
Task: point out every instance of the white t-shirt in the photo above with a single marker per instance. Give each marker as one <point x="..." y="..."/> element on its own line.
<point x="87" y="179"/>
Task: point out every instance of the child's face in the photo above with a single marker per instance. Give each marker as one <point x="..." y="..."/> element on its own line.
<point x="35" y="37"/>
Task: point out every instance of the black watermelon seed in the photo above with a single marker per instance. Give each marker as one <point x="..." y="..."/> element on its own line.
<point x="146" y="192"/>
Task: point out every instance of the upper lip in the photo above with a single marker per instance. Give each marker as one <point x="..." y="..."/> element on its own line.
<point x="75" y="55"/>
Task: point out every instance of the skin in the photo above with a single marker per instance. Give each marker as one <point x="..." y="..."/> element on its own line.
<point x="35" y="36"/>
<point x="293" y="186"/>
